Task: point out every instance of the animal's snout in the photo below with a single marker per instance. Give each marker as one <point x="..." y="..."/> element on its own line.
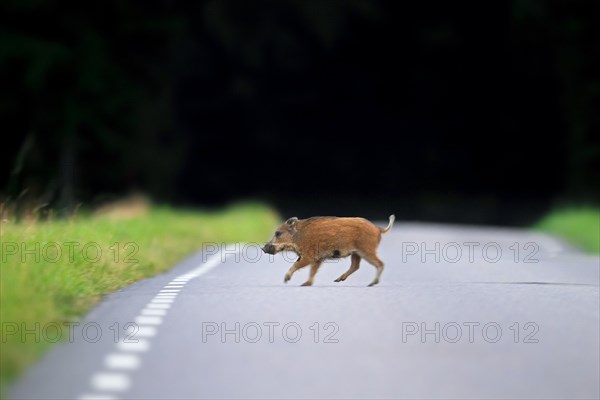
<point x="269" y="248"/>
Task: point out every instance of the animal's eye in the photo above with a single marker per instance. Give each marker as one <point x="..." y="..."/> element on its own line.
<point x="277" y="234"/>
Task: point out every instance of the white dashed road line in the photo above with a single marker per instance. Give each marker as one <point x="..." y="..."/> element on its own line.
<point x="139" y="345"/>
<point x="122" y="361"/>
<point x="110" y="381"/>
<point x="114" y="378"/>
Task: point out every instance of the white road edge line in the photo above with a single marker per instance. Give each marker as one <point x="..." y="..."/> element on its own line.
<point x="144" y="331"/>
<point x="134" y="345"/>
<point x="96" y="397"/>
<point x="110" y="381"/>
<point x="149" y="318"/>
<point x="158" y="306"/>
<point x="122" y="361"/>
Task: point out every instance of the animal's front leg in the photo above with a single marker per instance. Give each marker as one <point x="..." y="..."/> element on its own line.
<point x="301" y="263"/>
<point x="313" y="271"/>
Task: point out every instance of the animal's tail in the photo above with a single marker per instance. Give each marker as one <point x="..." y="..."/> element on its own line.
<point x="390" y="224"/>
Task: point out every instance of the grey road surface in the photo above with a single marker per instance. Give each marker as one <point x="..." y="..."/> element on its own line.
<point x="461" y="312"/>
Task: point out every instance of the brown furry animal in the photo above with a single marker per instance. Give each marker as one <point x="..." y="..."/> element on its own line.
<point x="319" y="238"/>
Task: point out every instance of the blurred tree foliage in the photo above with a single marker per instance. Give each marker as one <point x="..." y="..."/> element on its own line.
<point x="87" y="83"/>
<point x="88" y="93"/>
<point x="568" y="34"/>
<point x="96" y="96"/>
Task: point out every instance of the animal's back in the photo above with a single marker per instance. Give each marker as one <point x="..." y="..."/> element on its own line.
<point x="349" y="232"/>
<point x="323" y="224"/>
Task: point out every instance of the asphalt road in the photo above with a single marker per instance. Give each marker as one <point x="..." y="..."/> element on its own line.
<point x="469" y="325"/>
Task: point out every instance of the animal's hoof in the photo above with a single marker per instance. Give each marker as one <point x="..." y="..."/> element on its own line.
<point x="372" y="284"/>
<point x="286" y="278"/>
<point x="338" y="280"/>
<point x="307" y="283"/>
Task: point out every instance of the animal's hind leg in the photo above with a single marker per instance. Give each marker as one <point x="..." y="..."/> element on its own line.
<point x="373" y="259"/>
<point x="353" y="268"/>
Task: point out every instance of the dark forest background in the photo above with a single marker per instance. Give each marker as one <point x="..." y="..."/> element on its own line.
<point x="474" y="111"/>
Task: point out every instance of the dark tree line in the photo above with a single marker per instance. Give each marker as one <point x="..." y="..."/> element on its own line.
<point x="203" y="102"/>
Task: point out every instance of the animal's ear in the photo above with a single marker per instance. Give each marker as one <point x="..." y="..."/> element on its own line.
<point x="292" y="221"/>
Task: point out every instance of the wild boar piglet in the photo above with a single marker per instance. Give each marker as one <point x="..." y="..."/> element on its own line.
<point x="319" y="238"/>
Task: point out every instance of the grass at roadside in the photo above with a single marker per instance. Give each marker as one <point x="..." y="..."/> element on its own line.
<point x="46" y="291"/>
<point x="579" y="226"/>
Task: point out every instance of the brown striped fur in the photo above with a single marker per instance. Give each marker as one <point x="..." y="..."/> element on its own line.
<point x="319" y="238"/>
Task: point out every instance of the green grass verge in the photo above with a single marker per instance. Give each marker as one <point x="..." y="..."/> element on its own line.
<point x="579" y="226"/>
<point x="42" y="291"/>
